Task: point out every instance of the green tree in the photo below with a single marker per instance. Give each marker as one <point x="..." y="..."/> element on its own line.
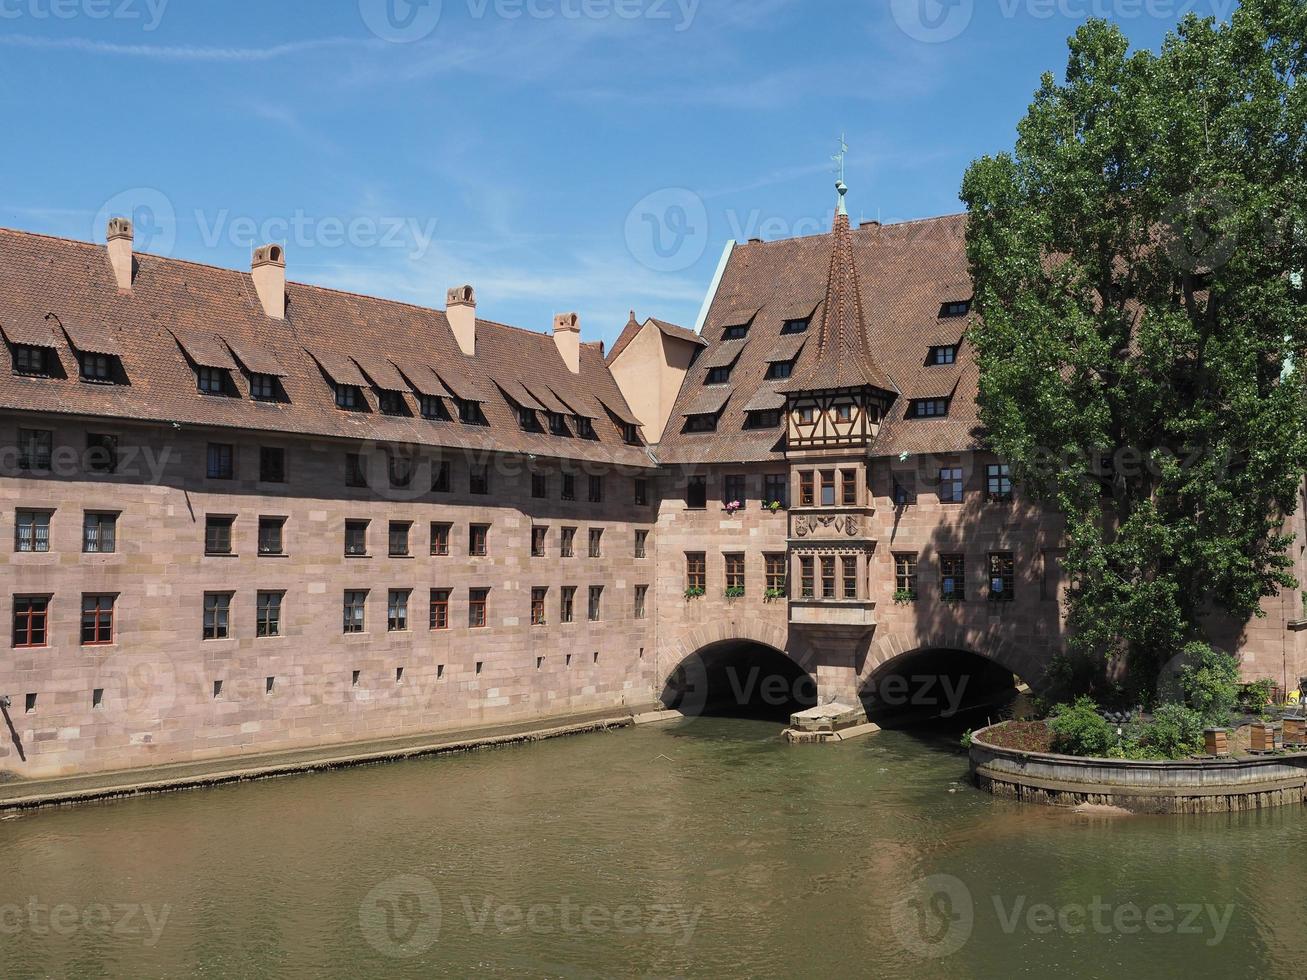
<point x="1133" y="261"/>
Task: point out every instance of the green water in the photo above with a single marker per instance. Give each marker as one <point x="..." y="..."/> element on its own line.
<point x="704" y="849"/>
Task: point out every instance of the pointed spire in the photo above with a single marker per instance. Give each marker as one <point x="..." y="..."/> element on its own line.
<point x="843" y="359"/>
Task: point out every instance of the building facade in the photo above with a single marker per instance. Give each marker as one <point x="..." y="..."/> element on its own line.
<point x="244" y="515"/>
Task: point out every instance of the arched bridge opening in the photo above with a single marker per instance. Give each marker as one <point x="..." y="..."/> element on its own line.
<point x="944" y="688"/>
<point x="739" y="678"/>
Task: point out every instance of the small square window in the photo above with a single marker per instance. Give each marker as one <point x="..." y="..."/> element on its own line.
<point x="217" y="534"/>
<point x="349" y="397"/>
<point x="211" y="381"/>
<point x="718" y="376"/>
<point x="263" y="387"/>
<point x="272" y="536"/>
<point x="96" y="367"/>
<point x="955" y="308"/>
<point x="797" y="325"/>
<point x="736" y="331"/>
<point x="391" y="403"/>
<point x="99" y="533"/>
<point x="221" y="461"/>
<point x="32" y="530"/>
<point x="32" y="361"/>
<point x="356" y="538"/>
<point x="947" y="354"/>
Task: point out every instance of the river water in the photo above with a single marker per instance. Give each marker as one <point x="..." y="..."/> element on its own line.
<point x="707" y="848"/>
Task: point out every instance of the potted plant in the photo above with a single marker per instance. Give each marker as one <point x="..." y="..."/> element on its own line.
<point x="775" y="506"/>
<point x="772" y="595"/>
<point x="735" y="592"/>
<point x="694" y="592"/>
<point x="734" y="506"/>
<point x="904" y="596"/>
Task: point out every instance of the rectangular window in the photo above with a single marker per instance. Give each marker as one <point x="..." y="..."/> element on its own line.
<point x="641" y="544"/>
<point x="696" y="493"/>
<point x="348" y="397"/>
<point x="1002" y="577"/>
<point x="947" y="354"/>
<point x="221" y="461"/>
<point x="775" y="567"/>
<point x="849" y="576"/>
<point x="35" y="447"/>
<point x="217" y="615"/>
<point x="478" y="540"/>
<point x="775" y="489"/>
<point x="263" y="387"/>
<point x="267" y="614"/>
<point x="539" y="537"/>
<point x="217" y="535"/>
<point x="828" y="576"/>
<point x="736" y="331"/>
<point x="844" y="412"/>
<point x="585" y="428"/>
<point x="31" y="621"/>
<point x="272" y="536"/>
<point x="569" y="486"/>
<point x="596" y="489"/>
<point x="478" y="480"/>
<point x="998" y="482"/>
<point x="953" y="577"/>
<point x="211" y="381"/>
<point x="440" y="539"/>
<point x="101" y="452"/>
<point x="567" y="604"/>
<point x="904" y="492"/>
<point x="849" y="488"/>
<point x="32" y="530"/>
<point x="567" y="543"/>
<point x="97" y="620"/>
<point x="539" y="486"/>
<point x="596" y="542"/>
<point x="99" y="533"/>
<point x="399" y="535"/>
<point x="641" y="492"/>
<point x="928" y="408"/>
<point x="828" y="488"/>
<point x="272" y="464"/>
<point x="557" y="424"/>
<point x="807" y="491"/>
<point x="769" y="419"/>
<point x="950" y="485"/>
<point x="596" y="599"/>
<point x="432" y="408"/>
<point x="718" y="376"/>
<point x="807" y="579"/>
<point x="439" y="618"/>
<point x="735" y="573"/>
<point x="779" y="370"/>
<point x="807" y="415"/>
<point x="641" y="601"/>
<point x="399" y="470"/>
<point x="356" y="601"/>
<point x="469" y="412"/>
<point x="391" y="403"/>
<point x="96" y="367"/>
<point x="356" y="538"/>
<point x="696" y="571"/>
<point x="476" y="608"/>
<point x="31" y="361"/>
<point x="955" y="308"/>
<point x="905" y="575"/>
<point x="440" y="476"/>
<point x="538" y="596"/>
<point x="397" y="610"/>
<point x="733" y="489"/>
<point x="701" y="423"/>
<point x="356" y="470"/>
<point x="798" y="325"/>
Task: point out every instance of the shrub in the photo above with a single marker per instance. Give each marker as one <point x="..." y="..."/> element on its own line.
<point x="1210" y="682"/>
<point x="1078" y="729"/>
<point x="1176" y="731"/>
<point x="904" y="596"/>
<point x="1257" y="695"/>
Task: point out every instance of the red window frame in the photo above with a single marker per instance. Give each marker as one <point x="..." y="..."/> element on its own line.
<point x="439" y="616"/>
<point x="29" y="618"/>
<point x="101" y="609"/>
<point x="476" y="608"/>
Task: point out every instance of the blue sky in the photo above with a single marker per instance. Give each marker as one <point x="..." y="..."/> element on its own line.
<point x="589" y="155"/>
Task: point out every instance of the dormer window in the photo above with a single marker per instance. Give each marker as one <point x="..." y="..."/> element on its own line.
<point x="737" y="331"/>
<point x="558" y="424"/>
<point x="701" y="423"/>
<point x="432" y="408"/>
<point x="34" y="362"/>
<point x="526" y="418"/>
<point x="349" y="397"/>
<point x="212" y="381"/>
<point x="469" y="412"/>
<point x="955" y="308"/>
<point x="391" y="403"/>
<point x="96" y="367"/>
<point x="585" y="428"/>
<point x="767" y="419"/>
<point x="631" y="433"/>
<point x="928" y="408"/>
<point x="718" y="376"/>
<point x="795" y="326"/>
<point x="947" y="354"/>
<point x="263" y="387"/>
<point x="779" y="370"/>
<point x="844" y="412"/>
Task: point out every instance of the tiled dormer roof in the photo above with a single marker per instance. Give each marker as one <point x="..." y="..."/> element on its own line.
<point x="905" y="273"/>
<point x="177" y="306"/>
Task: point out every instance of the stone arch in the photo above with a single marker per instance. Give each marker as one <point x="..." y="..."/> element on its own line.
<point x="1025" y="662"/>
<point x="697" y="656"/>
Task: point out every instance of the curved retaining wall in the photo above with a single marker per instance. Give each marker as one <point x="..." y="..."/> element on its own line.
<point x="1184" y="786"/>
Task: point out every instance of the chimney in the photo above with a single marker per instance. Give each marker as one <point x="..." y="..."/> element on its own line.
<point x="269" y="273"/>
<point x="567" y="337"/>
<point x="120" y="252"/>
<point x="461" y="312"/>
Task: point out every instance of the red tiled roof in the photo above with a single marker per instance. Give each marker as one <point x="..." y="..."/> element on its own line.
<point x="73" y="280"/>
<point x="905" y="273"/>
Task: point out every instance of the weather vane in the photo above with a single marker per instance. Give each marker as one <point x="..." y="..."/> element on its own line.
<point x="839" y="157"/>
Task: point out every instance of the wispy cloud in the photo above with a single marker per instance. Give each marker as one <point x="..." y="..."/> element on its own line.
<point x="177" y="53"/>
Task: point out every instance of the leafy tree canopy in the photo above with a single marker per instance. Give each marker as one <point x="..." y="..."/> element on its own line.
<point x="1144" y="329"/>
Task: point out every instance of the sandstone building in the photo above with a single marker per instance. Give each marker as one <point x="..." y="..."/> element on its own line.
<point x="242" y="514"/>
